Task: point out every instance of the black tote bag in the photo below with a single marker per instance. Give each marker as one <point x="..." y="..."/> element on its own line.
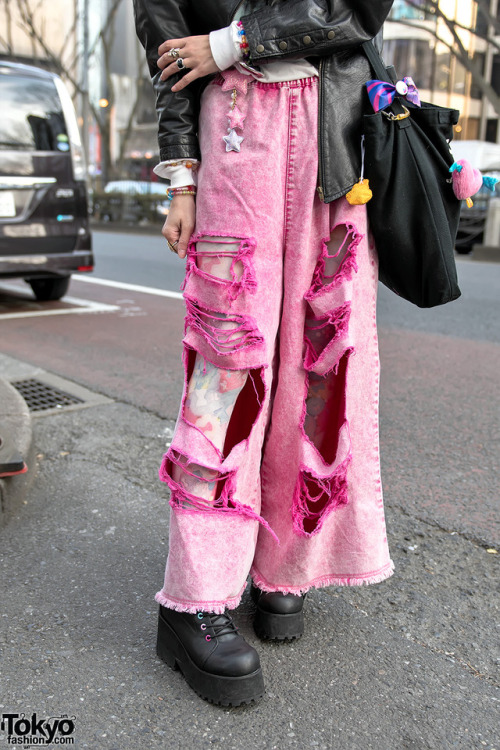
<point x="413" y="213"/>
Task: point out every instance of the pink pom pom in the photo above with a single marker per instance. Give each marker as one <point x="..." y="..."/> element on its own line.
<point x="466" y="180"/>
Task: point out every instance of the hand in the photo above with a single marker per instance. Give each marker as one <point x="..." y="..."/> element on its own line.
<point x="197" y="56"/>
<point x="180" y="222"/>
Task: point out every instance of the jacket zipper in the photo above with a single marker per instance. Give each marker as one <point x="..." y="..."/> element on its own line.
<point x="320" y="190"/>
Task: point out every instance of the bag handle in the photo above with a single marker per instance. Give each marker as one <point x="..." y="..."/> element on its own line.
<point x="375" y="60"/>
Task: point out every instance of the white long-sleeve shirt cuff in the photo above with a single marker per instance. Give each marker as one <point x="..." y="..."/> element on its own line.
<point x="225" y="49"/>
<point x="179" y="176"/>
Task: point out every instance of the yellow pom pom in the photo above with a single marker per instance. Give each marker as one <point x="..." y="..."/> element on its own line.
<point x="360" y="193"/>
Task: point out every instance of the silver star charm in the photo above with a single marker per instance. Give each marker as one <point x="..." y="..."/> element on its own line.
<point x="232" y="140"/>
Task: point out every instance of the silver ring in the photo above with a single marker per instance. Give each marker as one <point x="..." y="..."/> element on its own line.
<point x="172" y="245"/>
<point x="180" y="63"/>
<point x="174" y="52"/>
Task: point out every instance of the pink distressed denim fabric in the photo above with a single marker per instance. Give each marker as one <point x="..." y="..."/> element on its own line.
<point x="292" y="494"/>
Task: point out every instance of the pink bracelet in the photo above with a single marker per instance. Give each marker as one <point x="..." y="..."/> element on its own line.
<point x="186" y="190"/>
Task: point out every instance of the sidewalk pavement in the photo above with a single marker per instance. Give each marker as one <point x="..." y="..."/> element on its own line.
<point x="407" y="664"/>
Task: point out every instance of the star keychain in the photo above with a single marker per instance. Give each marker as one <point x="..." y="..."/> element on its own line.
<point x="235" y="80"/>
<point x="236" y="118"/>
<point x="233" y="140"/>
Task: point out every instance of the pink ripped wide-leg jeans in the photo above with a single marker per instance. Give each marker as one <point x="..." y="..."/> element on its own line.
<point x="282" y="481"/>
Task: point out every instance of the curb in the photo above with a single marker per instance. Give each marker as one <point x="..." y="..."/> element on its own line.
<point x="16" y="418"/>
<point x="488" y="253"/>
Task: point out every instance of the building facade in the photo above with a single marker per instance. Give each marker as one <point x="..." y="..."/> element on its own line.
<point x="418" y="43"/>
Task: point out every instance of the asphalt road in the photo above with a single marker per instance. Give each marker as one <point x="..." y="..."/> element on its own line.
<point x="137" y="259"/>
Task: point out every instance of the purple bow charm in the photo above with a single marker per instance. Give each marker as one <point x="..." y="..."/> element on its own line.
<point x="382" y="93"/>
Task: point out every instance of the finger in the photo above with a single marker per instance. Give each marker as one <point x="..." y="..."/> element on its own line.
<point x="170" y="44"/>
<point x="171" y="233"/>
<point x="186" y="231"/>
<point x="174" y="68"/>
<point x="167" y="59"/>
<point x="185" y="80"/>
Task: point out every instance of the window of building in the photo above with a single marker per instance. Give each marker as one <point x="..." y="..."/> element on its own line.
<point x="411" y="57"/>
<point x="475" y="91"/>
<point x="495" y="74"/>
<point x="402" y="11"/>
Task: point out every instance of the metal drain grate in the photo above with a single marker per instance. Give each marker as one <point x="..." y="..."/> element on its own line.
<point x="40" y="396"/>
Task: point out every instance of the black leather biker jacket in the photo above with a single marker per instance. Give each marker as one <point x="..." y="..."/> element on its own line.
<point x="326" y="32"/>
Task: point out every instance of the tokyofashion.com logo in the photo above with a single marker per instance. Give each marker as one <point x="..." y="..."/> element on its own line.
<point x="25" y="731"/>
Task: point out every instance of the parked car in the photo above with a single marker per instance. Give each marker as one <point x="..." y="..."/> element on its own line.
<point x="131" y="201"/>
<point x="473" y="220"/>
<point x="44" y="227"/>
<point x="484" y="156"/>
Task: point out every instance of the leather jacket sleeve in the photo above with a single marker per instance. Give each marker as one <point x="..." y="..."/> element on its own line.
<point x="156" y="21"/>
<point x="312" y="27"/>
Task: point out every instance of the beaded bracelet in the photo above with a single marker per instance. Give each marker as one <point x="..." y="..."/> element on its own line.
<point x="187" y="164"/>
<point x="244" y="48"/>
<point x="187" y="190"/>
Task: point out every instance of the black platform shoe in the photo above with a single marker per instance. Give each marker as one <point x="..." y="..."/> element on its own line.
<point x="216" y="661"/>
<point x="279" y="617"/>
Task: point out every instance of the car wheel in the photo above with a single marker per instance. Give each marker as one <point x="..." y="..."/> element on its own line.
<point x="50" y="289"/>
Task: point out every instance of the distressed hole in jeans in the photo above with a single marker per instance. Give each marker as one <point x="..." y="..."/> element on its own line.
<point x="217" y="256"/>
<point x="246" y="410"/>
<point x="196" y="487"/>
<point x="325" y="409"/>
<point x="337" y="260"/>
<point x="315" y="497"/>
<point x="227" y="333"/>
<point x="211" y="395"/>
<point x="320" y="331"/>
<point x="223" y="404"/>
<point x="224" y="259"/>
<point x="192" y="485"/>
<point x="199" y="488"/>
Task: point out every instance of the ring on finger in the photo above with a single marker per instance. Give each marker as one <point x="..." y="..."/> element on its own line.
<point x="174" y="52"/>
<point x="172" y="245"/>
<point x="180" y="63"/>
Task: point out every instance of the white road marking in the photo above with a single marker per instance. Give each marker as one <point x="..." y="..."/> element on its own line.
<point x="81" y="306"/>
<point x="129" y="287"/>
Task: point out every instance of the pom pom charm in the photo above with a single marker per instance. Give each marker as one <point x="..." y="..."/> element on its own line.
<point x="466" y="180"/>
<point x="359" y="194"/>
<point x="490" y="182"/>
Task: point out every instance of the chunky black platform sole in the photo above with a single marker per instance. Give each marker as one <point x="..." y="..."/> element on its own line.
<point x="271" y="626"/>
<point x="223" y="691"/>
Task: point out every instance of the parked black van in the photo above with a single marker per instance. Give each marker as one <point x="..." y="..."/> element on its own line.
<point x="44" y="226"/>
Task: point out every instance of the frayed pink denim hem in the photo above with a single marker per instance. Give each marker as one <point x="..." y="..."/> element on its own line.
<point x="366" y="579"/>
<point x="217" y="608"/>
